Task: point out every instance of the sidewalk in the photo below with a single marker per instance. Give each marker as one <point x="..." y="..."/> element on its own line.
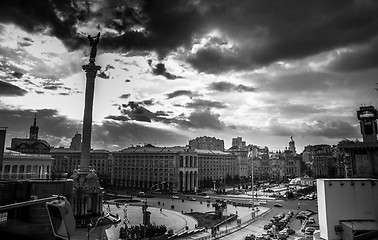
<point x="230" y="228"/>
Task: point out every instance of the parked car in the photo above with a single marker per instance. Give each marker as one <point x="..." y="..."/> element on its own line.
<point x="191" y="199"/>
<point x="289" y="231"/>
<point x="250" y="237"/>
<point x="309" y="231"/>
<point x="267" y="226"/>
<point x="141" y="194"/>
<point x="311" y="220"/>
<point x="175" y="197"/>
<point x="282" y="234"/>
<point x="260" y="238"/>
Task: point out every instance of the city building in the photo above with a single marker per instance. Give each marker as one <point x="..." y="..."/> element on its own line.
<point x="76" y="142"/>
<point x="66" y="161"/>
<point x="292" y="146"/>
<point x="243" y="166"/>
<point x="361" y="158"/>
<point x="215" y="167"/>
<point x="348" y="208"/>
<point x="180" y="168"/>
<point x="31" y="144"/>
<point x="238" y="142"/>
<point x="18" y="166"/>
<point x="207" y="143"/>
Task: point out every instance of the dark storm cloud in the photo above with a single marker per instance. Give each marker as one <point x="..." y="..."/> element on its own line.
<point x="181" y="93"/>
<point x="121" y="118"/>
<point x="330" y="129"/>
<point x="103" y="75"/>
<point x="204" y="119"/>
<point x="7" y="89"/>
<point x="253" y="33"/>
<point x="230" y="87"/>
<point x="267" y="31"/>
<point x="148" y="102"/>
<point x="359" y="58"/>
<point x="214" y="60"/>
<point x="160" y="69"/>
<point x="201" y="118"/>
<point x="201" y="103"/>
<point x="37" y="15"/>
<point x="119" y="135"/>
<point x="17" y="74"/>
<point x="136" y="112"/>
<point x="125" y="96"/>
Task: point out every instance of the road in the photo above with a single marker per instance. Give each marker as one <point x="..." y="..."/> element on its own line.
<point x="289" y="205"/>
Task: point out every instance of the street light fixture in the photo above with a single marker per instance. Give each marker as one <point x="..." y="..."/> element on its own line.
<point x="144" y="208"/>
<point x="89" y="228"/>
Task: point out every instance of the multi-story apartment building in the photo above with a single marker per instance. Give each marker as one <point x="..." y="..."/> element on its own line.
<point x="292" y="165"/>
<point x="243" y="166"/>
<point x="323" y="161"/>
<point x="207" y="143"/>
<point x="238" y="142"/>
<point x="215" y="167"/>
<point x="261" y="167"/>
<point x="180" y="168"/>
<point x="67" y="160"/>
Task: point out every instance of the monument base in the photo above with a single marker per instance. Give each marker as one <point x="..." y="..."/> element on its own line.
<point x="87" y="197"/>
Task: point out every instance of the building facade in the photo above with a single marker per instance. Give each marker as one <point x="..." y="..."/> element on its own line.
<point x="17" y="166"/>
<point x="32" y="144"/>
<point x="67" y="160"/>
<point x="207" y="143"/>
<point x="361" y="158"/>
<point x="183" y="169"/>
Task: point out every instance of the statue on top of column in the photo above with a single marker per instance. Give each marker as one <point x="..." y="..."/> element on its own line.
<point x="93" y="41"/>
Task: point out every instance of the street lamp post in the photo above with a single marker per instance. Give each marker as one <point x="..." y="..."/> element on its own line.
<point x="253" y="200"/>
<point x="144" y="208"/>
<point x="89" y="228"/>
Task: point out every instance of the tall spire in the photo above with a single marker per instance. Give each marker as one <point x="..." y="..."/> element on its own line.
<point x="34" y="129"/>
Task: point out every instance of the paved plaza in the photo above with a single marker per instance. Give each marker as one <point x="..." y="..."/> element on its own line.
<point x="172" y="218"/>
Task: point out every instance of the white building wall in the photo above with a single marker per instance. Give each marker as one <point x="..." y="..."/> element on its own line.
<point x="345" y="199"/>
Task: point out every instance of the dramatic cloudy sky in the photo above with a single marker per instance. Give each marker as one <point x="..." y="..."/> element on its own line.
<point x="175" y="70"/>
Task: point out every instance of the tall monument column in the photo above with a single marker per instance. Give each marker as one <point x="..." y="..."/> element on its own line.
<point x="87" y="202"/>
<point x="91" y="71"/>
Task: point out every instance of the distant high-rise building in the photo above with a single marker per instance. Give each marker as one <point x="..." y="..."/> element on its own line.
<point x="238" y="142"/>
<point x="207" y="143"/>
<point x="76" y="142"/>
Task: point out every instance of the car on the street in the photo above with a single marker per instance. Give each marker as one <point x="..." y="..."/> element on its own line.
<point x="289" y="231"/>
<point x="175" y="197"/>
<point x="260" y="238"/>
<point x="309" y="231"/>
<point x="206" y="197"/>
<point x="141" y="194"/>
<point x="311" y="220"/>
<point x="277" y="205"/>
<point x="282" y="234"/>
<point x="191" y="199"/>
<point x="250" y="237"/>
<point x="267" y="226"/>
